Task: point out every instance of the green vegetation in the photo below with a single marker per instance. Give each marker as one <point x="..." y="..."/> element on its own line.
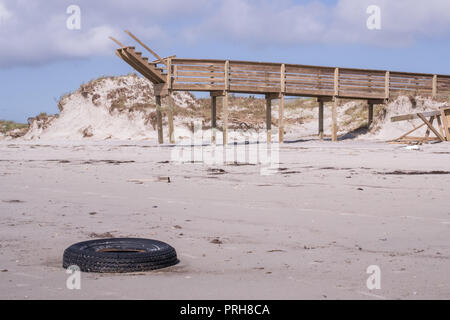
<point x="7" y="126"/>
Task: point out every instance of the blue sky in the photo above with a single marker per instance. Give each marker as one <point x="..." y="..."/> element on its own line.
<point x="41" y="59"/>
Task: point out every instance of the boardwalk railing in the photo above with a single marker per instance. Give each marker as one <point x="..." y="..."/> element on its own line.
<point x="301" y="80"/>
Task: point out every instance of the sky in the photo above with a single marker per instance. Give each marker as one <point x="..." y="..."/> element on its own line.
<point x="43" y="57"/>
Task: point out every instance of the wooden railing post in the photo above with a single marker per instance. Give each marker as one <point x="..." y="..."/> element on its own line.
<point x="227" y="75"/>
<point x="283" y="78"/>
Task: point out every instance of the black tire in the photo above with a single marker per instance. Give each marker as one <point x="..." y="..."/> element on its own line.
<point x="120" y="255"/>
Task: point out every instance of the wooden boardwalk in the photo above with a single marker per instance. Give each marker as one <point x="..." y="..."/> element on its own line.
<point x="276" y="81"/>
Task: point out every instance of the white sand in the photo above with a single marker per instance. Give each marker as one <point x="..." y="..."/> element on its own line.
<point x="305" y="232"/>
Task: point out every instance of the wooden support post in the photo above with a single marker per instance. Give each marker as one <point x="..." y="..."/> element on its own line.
<point x="170" y="118"/>
<point x="269" y="118"/>
<point x="334" y="127"/>
<point x="159" y="120"/>
<point x="321" y="119"/>
<point x="225" y="118"/>
<point x="213" y="119"/>
<point x="370" y="119"/>
<point x="445" y="123"/>
<point x="434" y="87"/>
<point x="280" y="119"/>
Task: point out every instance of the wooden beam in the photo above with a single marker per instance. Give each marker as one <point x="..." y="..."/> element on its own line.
<point x="269" y="118"/>
<point x="320" y="119"/>
<point x="159" y="120"/>
<point x="225" y="119"/>
<point x="414" y="116"/>
<point x="334" y="126"/>
<point x="281" y="119"/>
<point x="217" y="93"/>
<point x="409" y="132"/>
<point x="430" y="126"/>
<point x="117" y="42"/>
<point x="163" y="59"/>
<point x="170" y="118"/>
<point x="147" y="48"/>
<point x="213" y="119"/>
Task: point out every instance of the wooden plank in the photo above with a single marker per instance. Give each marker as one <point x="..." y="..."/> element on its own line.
<point x="409" y="132"/>
<point x="137" y="66"/>
<point x="430" y="126"/>
<point x="414" y="116"/>
<point x="145" y="64"/>
<point x="427" y="133"/>
<point x="283" y="78"/>
<point x="143" y="45"/>
<point x="196" y="87"/>
<point x="190" y="79"/>
<point x="216" y="68"/>
<point x="197" y="74"/>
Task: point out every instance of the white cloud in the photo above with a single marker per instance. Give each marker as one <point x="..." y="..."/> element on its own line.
<point x="35" y="31"/>
<point x="289" y="23"/>
<point x="4" y="13"/>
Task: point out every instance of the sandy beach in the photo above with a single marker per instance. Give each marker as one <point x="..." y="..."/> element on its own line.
<point x="307" y="231"/>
